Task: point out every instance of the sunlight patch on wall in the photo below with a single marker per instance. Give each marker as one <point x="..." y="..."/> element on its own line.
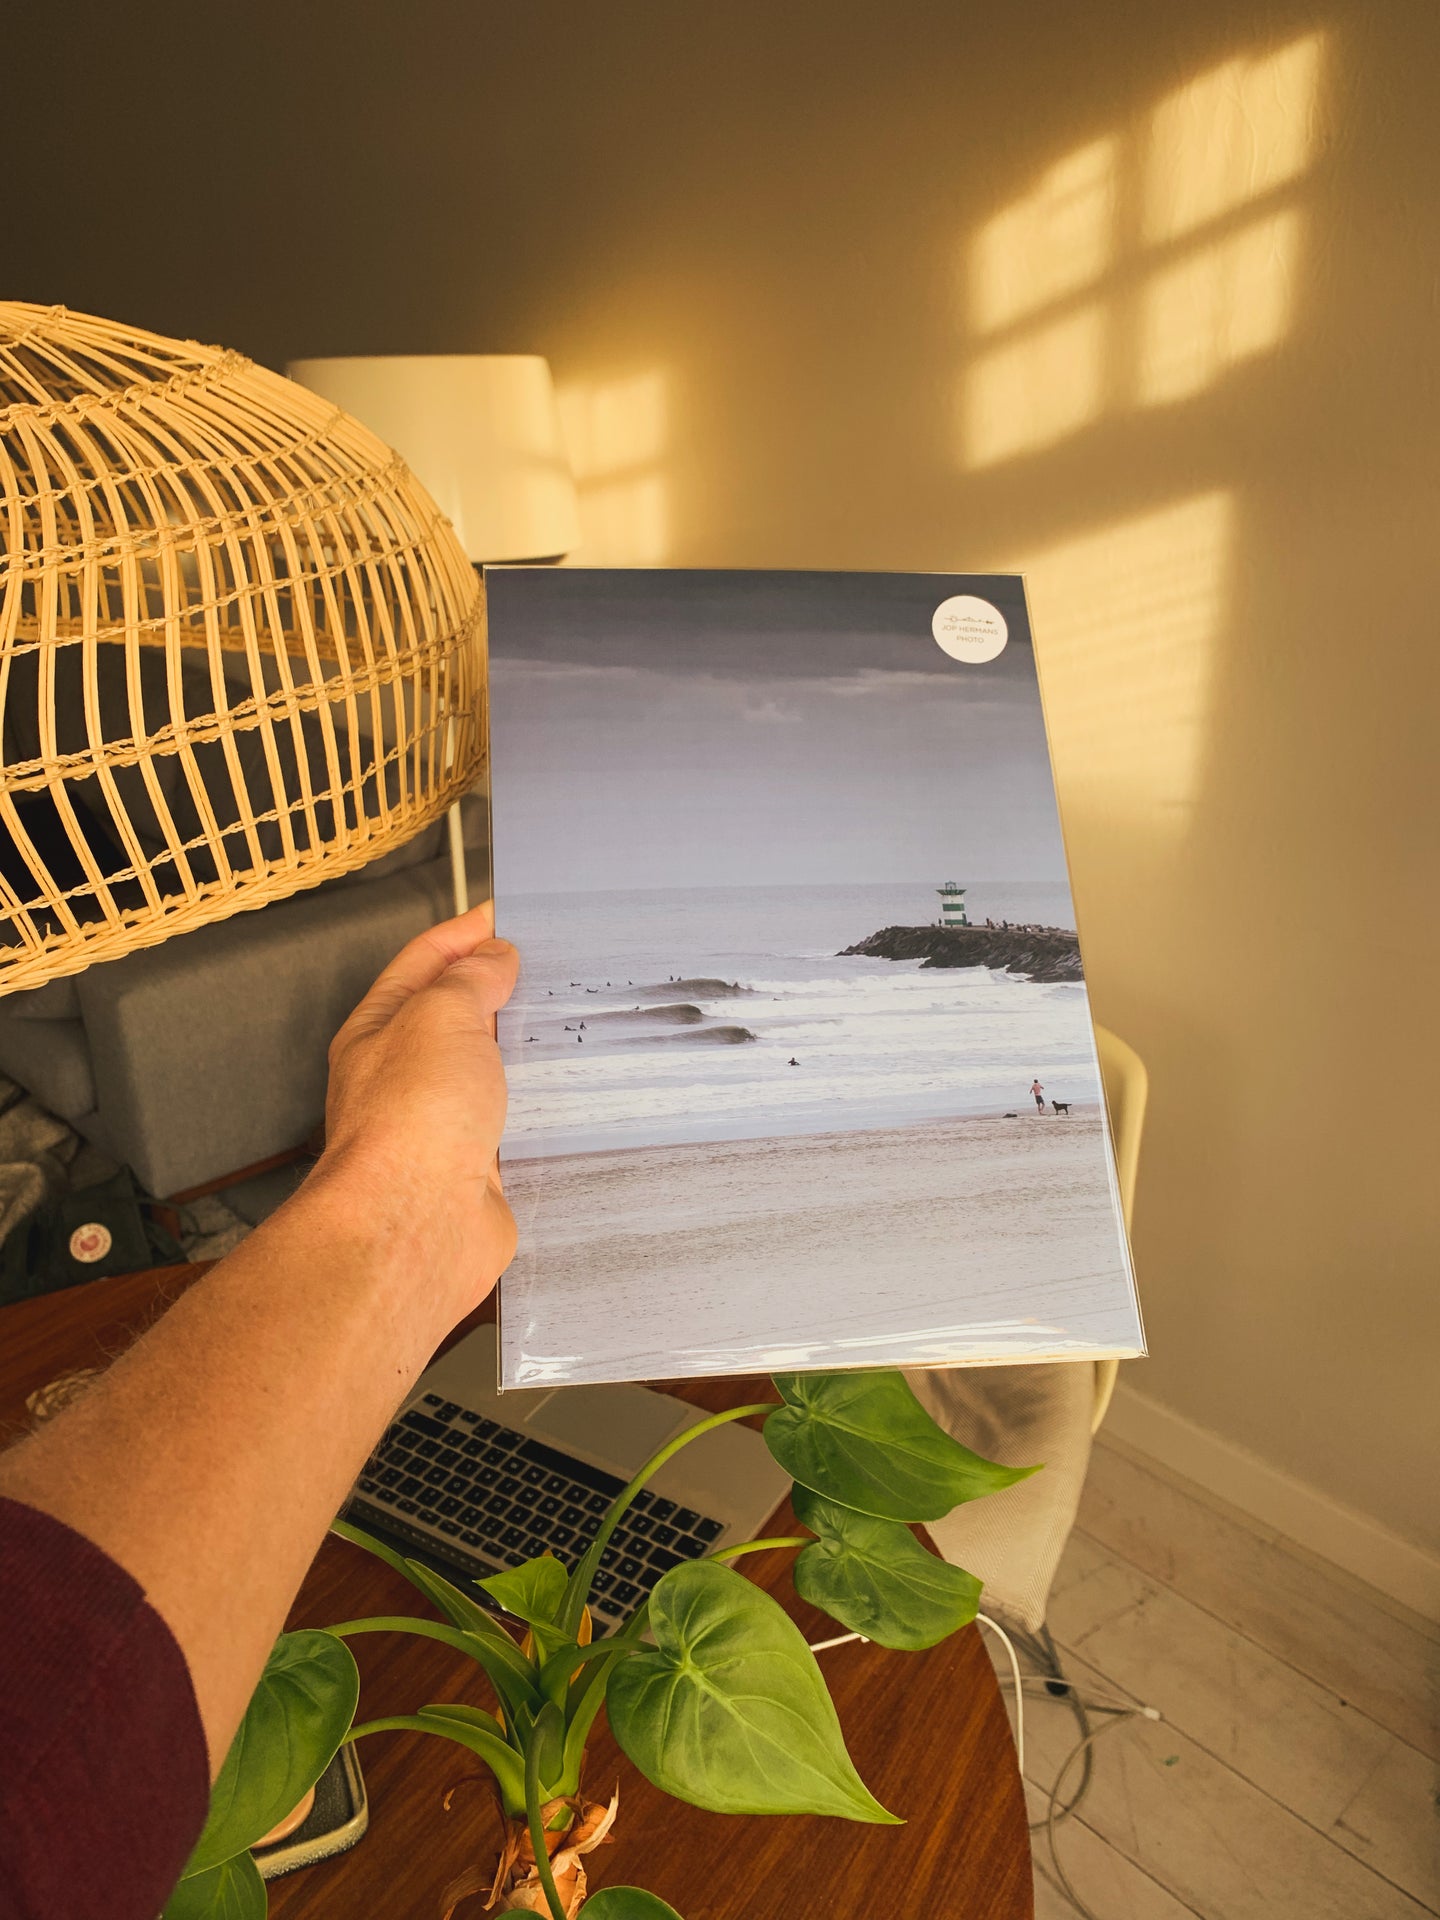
<point x="1057" y="237"/>
<point x="1216" y="308"/>
<point x="618" y="434"/>
<point x="1231" y="136"/>
<point x="1035" y="390"/>
<point x="1127" y="621"/>
<point x="1140" y="268"/>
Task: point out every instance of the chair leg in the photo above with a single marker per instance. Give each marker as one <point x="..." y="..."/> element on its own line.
<point x="1046" y="1655"/>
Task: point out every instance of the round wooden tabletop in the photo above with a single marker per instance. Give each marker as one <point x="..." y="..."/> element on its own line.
<point x="927" y="1731"/>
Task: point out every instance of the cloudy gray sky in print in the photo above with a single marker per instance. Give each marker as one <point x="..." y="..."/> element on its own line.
<point x="671" y="729"/>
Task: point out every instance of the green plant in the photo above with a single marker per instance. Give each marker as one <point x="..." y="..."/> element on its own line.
<point x="710" y="1688"/>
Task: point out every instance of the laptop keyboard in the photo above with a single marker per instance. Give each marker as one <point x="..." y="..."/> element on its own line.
<point x="482" y="1497"/>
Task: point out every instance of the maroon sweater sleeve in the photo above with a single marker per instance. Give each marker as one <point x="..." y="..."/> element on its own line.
<point x="104" y="1774"/>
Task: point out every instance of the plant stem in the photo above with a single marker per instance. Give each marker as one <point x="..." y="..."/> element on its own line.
<point x="509" y="1672"/>
<point x="416" y="1723"/>
<point x="569" y="1658"/>
<point x="398" y="1723"/>
<point x="762" y="1546"/>
<point x="504" y="1761"/>
<point x="579" y="1588"/>
<point x="536" y="1824"/>
<point x="402" y="1623"/>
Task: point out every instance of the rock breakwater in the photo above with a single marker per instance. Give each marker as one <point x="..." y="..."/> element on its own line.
<point x="1040" y="953"/>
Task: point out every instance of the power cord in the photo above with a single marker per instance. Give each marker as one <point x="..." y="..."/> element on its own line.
<point x="1058" y="1687"/>
<point x="844" y="1639"/>
<point x="1000" y="1634"/>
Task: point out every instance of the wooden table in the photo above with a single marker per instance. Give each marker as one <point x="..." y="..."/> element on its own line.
<point x="928" y="1731"/>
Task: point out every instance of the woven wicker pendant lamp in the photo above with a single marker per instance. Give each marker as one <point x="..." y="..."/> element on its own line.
<point x="241" y="651"/>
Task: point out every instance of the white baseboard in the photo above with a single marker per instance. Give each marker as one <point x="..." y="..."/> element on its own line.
<point x="1313" y="1520"/>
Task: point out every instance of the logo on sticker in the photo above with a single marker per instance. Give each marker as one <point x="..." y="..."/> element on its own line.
<point x="969" y="629"/>
<point x="91" y="1242"/>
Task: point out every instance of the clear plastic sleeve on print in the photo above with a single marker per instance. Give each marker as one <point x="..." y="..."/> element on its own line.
<point x="802" y="1253"/>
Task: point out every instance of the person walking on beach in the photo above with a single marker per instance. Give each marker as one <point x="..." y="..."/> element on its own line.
<point x="1039" y="1093"/>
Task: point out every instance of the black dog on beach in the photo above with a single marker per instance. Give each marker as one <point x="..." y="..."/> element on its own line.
<point x="1061" y="1106"/>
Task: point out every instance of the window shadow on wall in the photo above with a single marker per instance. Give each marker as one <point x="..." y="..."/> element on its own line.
<point x="618" y="433"/>
<point x="1119" y="292"/>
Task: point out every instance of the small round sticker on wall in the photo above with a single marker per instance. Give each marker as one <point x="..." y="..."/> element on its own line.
<point x="969" y="628"/>
<point x="91" y="1242"/>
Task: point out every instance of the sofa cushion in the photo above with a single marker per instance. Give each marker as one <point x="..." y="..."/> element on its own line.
<point x="56" y="1000"/>
<point x="210" y="1051"/>
<point x="51" y="1059"/>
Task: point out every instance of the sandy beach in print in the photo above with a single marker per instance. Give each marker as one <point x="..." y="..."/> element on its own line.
<point x="935" y="1242"/>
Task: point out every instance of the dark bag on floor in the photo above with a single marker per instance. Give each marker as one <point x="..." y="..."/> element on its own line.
<point x="85" y="1235"/>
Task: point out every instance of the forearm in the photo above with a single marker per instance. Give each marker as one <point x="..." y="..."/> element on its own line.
<point x="209" y="1460"/>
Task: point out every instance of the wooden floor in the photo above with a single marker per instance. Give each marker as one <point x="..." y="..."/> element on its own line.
<point x="1294" y="1776"/>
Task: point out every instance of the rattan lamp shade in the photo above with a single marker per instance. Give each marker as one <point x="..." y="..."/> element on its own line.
<point x="241" y="651"/>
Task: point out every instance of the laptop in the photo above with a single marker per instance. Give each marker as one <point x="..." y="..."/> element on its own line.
<point x="472" y="1481"/>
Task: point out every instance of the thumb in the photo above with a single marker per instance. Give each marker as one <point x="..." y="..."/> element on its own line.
<point x="486" y="977"/>
<point x="423" y="961"/>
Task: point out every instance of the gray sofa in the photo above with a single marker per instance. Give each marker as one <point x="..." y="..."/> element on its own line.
<point x="195" y="1059"/>
<point x="192" y="1060"/>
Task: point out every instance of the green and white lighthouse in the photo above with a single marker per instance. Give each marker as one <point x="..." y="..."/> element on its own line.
<point x="952" y="905"/>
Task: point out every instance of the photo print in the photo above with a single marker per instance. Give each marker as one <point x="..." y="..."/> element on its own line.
<point x="801" y="1064"/>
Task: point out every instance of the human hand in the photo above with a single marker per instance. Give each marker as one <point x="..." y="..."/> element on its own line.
<point x="416" y="1104"/>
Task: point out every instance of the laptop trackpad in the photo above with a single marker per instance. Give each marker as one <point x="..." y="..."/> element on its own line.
<point x="624" y="1425"/>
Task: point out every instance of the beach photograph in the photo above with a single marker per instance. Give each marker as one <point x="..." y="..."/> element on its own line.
<point x="800" y="1061"/>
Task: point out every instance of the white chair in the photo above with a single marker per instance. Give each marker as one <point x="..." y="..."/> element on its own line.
<point x="1047" y="1411"/>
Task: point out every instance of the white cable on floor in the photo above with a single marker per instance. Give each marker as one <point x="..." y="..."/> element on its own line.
<point x="995" y="1627"/>
<point x="1121" y="1716"/>
<point x="1054" y="1813"/>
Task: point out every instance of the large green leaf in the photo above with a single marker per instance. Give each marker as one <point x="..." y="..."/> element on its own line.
<point x="627" y="1903"/>
<point x="729" y="1710"/>
<point x="297" y="1717"/>
<point x="874" y="1577"/>
<point x="864" y="1440"/>
<point x="233" y="1890"/>
<point x="533" y="1591"/>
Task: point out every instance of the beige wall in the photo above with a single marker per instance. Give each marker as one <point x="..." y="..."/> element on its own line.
<point x="1134" y="297"/>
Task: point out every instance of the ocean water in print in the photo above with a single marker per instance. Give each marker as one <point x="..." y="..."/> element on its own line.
<point x="656" y="1016"/>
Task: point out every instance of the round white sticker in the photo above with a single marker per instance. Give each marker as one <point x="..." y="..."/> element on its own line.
<point x="91" y="1242"/>
<point x="969" y="628"/>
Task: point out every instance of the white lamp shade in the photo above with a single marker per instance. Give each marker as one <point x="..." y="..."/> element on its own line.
<point x="481" y="433"/>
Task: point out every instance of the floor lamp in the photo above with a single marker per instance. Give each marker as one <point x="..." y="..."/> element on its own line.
<point x="481" y="432"/>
